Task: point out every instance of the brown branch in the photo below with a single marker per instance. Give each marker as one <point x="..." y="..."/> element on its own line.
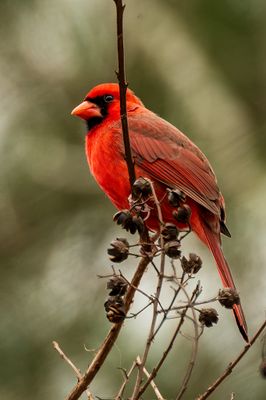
<point x="156" y="300"/>
<point x="134" y="315"/>
<point x="169" y="347"/>
<point x="199" y="303"/>
<point x="165" y="354"/>
<point x="191" y="365"/>
<point x="150" y="297"/>
<point x="72" y="365"/>
<point x="110" y="339"/>
<point x="127" y="376"/>
<point x="232" y="365"/>
<point x="123" y="90"/>
<point x="194" y="348"/>
<point x="62" y="354"/>
<point x="169" y="308"/>
<point x="151" y="333"/>
<point x="152" y="383"/>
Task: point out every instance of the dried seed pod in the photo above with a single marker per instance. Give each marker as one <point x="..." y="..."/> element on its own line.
<point x="170" y="232"/>
<point x="117" y="285"/>
<point x="129" y="222"/>
<point x="138" y="223"/>
<point x="191" y="265"/>
<point x="121" y="216"/>
<point x="172" y="249"/>
<point x="208" y="316"/>
<point x="227" y="297"/>
<point x="176" y="197"/>
<point x="141" y="188"/>
<point x="115" y="309"/>
<point x="182" y="214"/>
<point x="119" y="250"/>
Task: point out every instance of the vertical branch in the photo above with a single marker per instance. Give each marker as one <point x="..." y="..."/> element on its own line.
<point x="121" y="75"/>
<point x="155" y="303"/>
<point x="170" y="345"/>
<point x="153" y="385"/>
<point x="194" y="349"/>
<point x="127" y="376"/>
<point x="165" y="354"/>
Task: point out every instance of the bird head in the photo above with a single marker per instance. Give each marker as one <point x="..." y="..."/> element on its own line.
<point x="103" y="100"/>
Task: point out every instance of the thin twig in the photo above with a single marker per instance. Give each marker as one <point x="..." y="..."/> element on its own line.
<point x="194" y="348"/>
<point x="169" y="308"/>
<point x="157" y="204"/>
<point x="232" y="365"/>
<point x="127" y="376"/>
<point x="134" y="315"/>
<point x="152" y="383"/>
<point x="62" y="354"/>
<point x="110" y="339"/>
<point x="199" y="303"/>
<point x="150" y="297"/>
<point x="123" y="89"/>
<point x="72" y="365"/>
<point x="155" y="268"/>
<point x="156" y="300"/>
<point x="169" y="347"/>
<point x="165" y="354"/>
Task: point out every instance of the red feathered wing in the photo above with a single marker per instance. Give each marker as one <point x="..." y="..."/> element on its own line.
<point x="168" y="155"/>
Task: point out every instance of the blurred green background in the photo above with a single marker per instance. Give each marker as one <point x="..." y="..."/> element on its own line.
<point x="199" y="64"/>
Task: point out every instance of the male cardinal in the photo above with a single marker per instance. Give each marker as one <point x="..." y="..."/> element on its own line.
<point x="165" y="155"/>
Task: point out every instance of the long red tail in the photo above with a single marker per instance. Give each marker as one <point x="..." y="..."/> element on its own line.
<point x="226" y="276"/>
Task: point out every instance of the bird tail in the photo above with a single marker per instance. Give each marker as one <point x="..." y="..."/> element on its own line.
<point x="226" y="276"/>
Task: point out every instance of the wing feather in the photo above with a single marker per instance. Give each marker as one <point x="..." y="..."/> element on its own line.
<point x="169" y="156"/>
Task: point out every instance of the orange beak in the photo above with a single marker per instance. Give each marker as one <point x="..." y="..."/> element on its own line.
<point x="87" y="110"/>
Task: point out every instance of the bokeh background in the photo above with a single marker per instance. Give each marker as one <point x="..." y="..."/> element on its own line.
<point x="201" y="65"/>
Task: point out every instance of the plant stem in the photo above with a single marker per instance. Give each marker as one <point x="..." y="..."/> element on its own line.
<point x="121" y="76"/>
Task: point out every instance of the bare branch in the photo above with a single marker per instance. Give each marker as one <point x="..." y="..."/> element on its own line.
<point x="152" y="383"/>
<point x="69" y="362"/>
<point x="232" y="364"/>
<point x="155" y="303"/>
<point x="62" y="354"/>
<point x="110" y="339"/>
<point x="134" y="315"/>
<point x="151" y="298"/>
<point x="166" y="352"/>
<point x="169" y="308"/>
<point x="127" y="376"/>
<point x="194" y="348"/>
<point x="123" y="90"/>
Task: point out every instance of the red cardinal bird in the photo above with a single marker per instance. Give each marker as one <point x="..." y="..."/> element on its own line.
<point x="165" y="155"/>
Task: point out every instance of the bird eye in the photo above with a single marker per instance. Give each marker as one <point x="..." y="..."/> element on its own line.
<point x="108" y="98"/>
